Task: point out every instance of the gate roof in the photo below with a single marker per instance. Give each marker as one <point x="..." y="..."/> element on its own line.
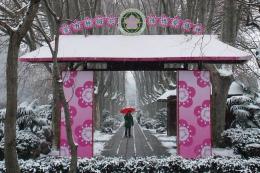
<point x="143" y="48"/>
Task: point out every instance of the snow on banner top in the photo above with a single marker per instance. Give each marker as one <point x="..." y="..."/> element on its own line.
<point x="132" y="22"/>
<point x="234" y="90"/>
<point x="142" y="48"/>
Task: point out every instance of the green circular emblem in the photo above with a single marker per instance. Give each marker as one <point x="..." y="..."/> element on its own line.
<point x="132" y="22"/>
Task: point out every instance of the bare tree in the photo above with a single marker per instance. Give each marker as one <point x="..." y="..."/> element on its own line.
<point x="58" y="85"/>
<point x="16" y="36"/>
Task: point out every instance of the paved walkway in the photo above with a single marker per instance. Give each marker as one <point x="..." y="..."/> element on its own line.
<point x="141" y="144"/>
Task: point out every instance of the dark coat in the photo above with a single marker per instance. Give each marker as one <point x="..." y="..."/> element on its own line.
<point x="128" y="120"/>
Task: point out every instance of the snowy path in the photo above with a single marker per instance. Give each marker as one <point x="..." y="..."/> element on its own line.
<point x="141" y="144"/>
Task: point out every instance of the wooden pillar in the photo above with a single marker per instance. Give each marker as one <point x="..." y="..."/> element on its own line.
<point x="171" y="116"/>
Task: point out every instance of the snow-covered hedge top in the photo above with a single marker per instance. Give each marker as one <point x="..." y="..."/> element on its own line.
<point x="237" y="135"/>
<point x="142" y="165"/>
<point x="24" y="139"/>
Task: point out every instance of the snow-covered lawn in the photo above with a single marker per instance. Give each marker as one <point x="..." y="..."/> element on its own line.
<point x="100" y="140"/>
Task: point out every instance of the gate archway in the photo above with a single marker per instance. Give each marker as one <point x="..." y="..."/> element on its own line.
<point x="151" y="52"/>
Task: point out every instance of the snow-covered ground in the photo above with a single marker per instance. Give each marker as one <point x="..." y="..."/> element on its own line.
<point x="99" y="141"/>
<point x="168" y="142"/>
<point x="225" y="152"/>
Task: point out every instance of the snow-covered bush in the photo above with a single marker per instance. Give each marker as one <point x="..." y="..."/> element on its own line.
<point x="33" y="127"/>
<point x="150" y="123"/>
<point x="245" y="110"/>
<point x="161" y="130"/>
<point x="27" y="144"/>
<point x="244" y="119"/>
<point x="245" y="142"/>
<point x="32" y="117"/>
<point x="140" y="165"/>
<point x="161" y="117"/>
<point x="158" y="122"/>
<point x="110" y="122"/>
<point x="44" y="112"/>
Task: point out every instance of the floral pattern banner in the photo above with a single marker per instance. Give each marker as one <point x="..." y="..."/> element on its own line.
<point x="78" y="90"/>
<point x="193" y="101"/>
<point x="131" y="23"/>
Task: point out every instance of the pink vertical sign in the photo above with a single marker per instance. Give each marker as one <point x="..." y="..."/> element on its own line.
<point x="78" y="89"/>
<point x="194" y="128"/>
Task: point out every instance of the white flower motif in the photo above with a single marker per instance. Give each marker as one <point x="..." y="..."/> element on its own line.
<point x="183" y="94"/>
<point x="205" y="76"/>
<point x="184" y="133"/>
<point x="86" y="134"/>
<point x="206" y="151"/>
<point x="87" y="95"/>
<point x="205" y="114"/>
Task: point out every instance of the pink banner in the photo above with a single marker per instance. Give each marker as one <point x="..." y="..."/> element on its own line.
<point x="78" y="89"/>
<point x="194" y="128"/>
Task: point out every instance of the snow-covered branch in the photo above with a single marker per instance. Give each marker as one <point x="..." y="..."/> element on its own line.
<point x="51" y="10"/>
<point x="13" y="13"/>
<point x="7" y="27"/>
<point x="6" y="10"/>
<point x="28" y="19"/>
<point x="17" y="4"/>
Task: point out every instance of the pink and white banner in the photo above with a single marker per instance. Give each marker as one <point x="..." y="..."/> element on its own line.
<point x="194" y="128"/>
<point x="78" y="89"/>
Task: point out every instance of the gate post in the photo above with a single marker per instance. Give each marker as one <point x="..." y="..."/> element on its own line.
<point x="79" y="91"/>
<point x="193" y="108"/>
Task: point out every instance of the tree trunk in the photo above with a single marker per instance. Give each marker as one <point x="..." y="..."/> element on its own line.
<point x="211" y="15"/>
<point x="73" y="146"/>
<point x="202" y="10"/>
<point x="56" y="116"/>
<point x="230" y="20"/>
<point x="171" y="116"/>
<point x="220" y="86"/>
<point x="59" y="85"/>
<point x="11" y="162"/>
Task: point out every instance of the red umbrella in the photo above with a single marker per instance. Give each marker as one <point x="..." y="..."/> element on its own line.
<point x="127" y="109"/>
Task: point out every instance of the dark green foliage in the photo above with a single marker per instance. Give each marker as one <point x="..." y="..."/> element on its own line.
<point x="245" y="142"/>
<point x="246" y="112"/>
<point x="109" y="122"/>
<point x="34" y="133"/>
<point x="27" y="145"/>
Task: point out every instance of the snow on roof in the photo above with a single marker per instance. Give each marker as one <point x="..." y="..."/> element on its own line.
<point x="146" y="48"/>
<point x="235" y="89"/>
<point x="165" y="95"/>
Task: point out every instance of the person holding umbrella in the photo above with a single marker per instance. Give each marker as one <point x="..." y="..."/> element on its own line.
<point x="129" y="122"/>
